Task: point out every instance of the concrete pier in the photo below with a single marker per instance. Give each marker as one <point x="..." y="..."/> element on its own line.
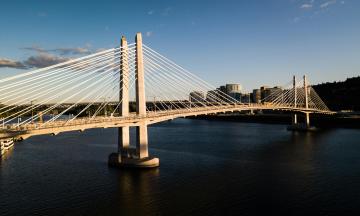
<point x="294" y="119"/>
<point x="301" y="126"/>
<point x="307" y="119"/>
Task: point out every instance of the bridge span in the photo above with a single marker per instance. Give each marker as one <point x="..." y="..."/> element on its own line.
<point x="104" y="76"/>
<point x="151" y="117"/>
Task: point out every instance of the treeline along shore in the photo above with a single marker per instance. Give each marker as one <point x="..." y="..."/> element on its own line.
<point x="343" y="95"/>
<point x="343" y="120"/>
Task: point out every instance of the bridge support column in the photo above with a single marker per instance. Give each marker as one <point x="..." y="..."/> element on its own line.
<point x="142" y="141"/>
<point x="307" y="114"/>
<point x="139" y="156"/>
<point x="123" y="140"/>
<point x="294" y="119"/>
<point x="307" y="120"/>
<point x="124" y="132"/>
<point x="303" y="125"/>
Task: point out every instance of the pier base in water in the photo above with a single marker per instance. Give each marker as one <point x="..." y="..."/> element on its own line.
<point x="301" y="127"/>
<point x="116" y="160"/>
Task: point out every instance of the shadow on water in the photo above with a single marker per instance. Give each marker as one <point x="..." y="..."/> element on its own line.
<point x="306" y="173"/>
<point x="136" y="190"/>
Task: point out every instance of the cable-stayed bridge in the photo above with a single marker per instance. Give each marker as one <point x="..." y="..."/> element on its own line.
<point x="76" y="95"/>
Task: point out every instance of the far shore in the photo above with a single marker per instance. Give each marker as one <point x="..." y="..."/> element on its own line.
<point x="348" y="120"/>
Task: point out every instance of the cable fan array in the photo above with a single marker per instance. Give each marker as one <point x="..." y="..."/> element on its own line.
<point x="88" y="87"/>
<point x="172" y="84"/>
<point x="54" y="91"/>
<point x="293" y="96"/>
<point x="173" y="87"/>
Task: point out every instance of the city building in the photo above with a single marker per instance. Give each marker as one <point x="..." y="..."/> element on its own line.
<point x="264" y="92"/>
<point x="256" y="96"/>
<point x="222" y="89"/>
<point x="214" y="96"/>
<point x="233" y="88"/>
<point x="197" y="96"/>
<point x="268" y="93"/>
<point x="245" y="98"/>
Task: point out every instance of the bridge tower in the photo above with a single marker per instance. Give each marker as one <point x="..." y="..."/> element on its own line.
<point x="137" y="156"/>
<point x="294" y="119"/>
<point x="307" y="114"/>
<point x="124" y="132"/>
<point x="295" y="124"/>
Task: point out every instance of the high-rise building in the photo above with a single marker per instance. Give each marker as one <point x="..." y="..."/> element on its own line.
<point x="233" y="88"/>
<point x="214" y="96"/>
<point x="256" y="96"/>
<point x="197" y="96"/>
<point x="222" y="89"/>
<point x="264" y="92"/>
<point x="245" y="98"/>
<point x="268" y="94"/>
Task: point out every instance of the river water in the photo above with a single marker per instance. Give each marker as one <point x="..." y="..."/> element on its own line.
<point x="206" y="167"/>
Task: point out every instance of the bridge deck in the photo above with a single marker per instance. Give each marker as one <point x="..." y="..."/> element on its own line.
<point x="81" y="124"/>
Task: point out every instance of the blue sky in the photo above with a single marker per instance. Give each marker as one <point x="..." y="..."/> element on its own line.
<point x="251" y="42"/>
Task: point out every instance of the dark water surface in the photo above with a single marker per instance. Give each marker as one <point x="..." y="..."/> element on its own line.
<point x="206" y="167"/>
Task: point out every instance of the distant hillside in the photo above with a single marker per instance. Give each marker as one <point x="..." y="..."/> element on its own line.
<point x="343" y="95"/>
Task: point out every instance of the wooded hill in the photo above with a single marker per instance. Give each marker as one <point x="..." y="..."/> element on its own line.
<point x="344" y="95"/>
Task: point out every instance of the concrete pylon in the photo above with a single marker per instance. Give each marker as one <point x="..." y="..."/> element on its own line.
<point x="124" y="132"/>
<point x="306" y="93"/>
<point x="295" y="124"/>
<point x="295" y="92"/>
<point x="307" y="114"/>
<point x="141" y="131"/>
<point x="294" y="118"/>
<point x="139" y="75"/>
<point x="307" y="120"/>
<point x="128" y="156"/>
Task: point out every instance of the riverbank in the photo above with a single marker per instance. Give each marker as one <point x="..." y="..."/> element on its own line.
<point x="317" y="120"/>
